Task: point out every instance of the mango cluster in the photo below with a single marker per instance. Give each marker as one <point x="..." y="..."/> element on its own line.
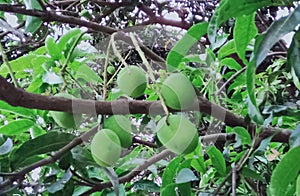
<point x="107" y="144"/>
<point x="175" y="132"/>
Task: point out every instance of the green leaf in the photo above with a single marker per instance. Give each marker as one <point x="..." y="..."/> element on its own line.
<point x="16" y="127"/>
<point x="254" y="113"/>
<point x="52" y="78"/>
<point x="213" y="27"/>
<point x="250" y="71"/>
<point x="35" y="85"/>
<point x="243" y="134"/>
<point x="231" y="64"/>
<point x="244" y="31"/>
<point x="263" y="146"/>
<point x="227" y="49"/>
<point x="298" y="186"/>
<point x="185" y="175"/>
<point x="65" y="161"/>
<point x="197" y="159"/>
<point x="278" y="29"/>
<point x="294" y="54"/>
<point x="285" y="172"/>
<point x="122" y="192"/>
<point x="168" y="190"/>
<point x="294" y="139"/>
<point x="248" y="173"/>
<point x="52" y="141"/>
<point x="253" y="110"/>
<point x="16" y="110"/>
<point x="36" y="131"/>
<point x="62" y="43"/>
<point x="170" y="171"/>
<point x="18" y="65"/>
<point x="52" y="48"/>
<point x="86" y="73"/>
<point x="217" y="159"/>
<point x="60" y="184"/>
<point x="146" y="185"/>
<point x="184" y="44"/>
<point x="32" y="23"/>
<point x="236" y="8"/>
<point x="6" y="146"/>
<point x="185" y="189"/>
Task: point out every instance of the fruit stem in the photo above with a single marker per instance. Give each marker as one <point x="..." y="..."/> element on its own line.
<point x="115" y="50"/>
<point x="105" y="70"/>
<point x="117" y="71"/>
<point x="150" y="71"/>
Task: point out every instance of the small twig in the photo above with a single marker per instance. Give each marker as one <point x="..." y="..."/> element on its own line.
<point x="6" y="62"/>
<point x="238" y="166"/>
<point x="230" y="79"/>
<point x="115" y="50"/>
<point x="283" y="53"/>
<point x="117" y="71"/>
<point x="145" y="143"/>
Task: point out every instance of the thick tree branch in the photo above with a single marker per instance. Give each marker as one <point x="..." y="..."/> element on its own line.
<point x="19" y="97"/>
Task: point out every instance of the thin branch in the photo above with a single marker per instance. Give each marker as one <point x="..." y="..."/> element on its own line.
<point x="233" y="181"/>
<point x="75" y="142"/>
<point x="133" y="173"/>
<point x="230" y="79"/>
<point x="143" y="142"/>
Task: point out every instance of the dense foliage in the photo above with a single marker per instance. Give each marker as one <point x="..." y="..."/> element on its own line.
<point x="246" y="107"/>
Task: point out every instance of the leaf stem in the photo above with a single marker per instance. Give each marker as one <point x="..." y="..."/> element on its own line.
<point x="65" y="65"/>
<point x="6" y="62"/>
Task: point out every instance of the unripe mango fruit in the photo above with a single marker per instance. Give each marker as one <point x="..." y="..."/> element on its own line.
<point x="65" y="119"/>
<point x="132" y="81"/>
<point x="106" y="147"/>
<point x="122" y="127"/>
<point x="178" y="134"/>
<point x="111" y="69"/>
<point x="178" y="92"/>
